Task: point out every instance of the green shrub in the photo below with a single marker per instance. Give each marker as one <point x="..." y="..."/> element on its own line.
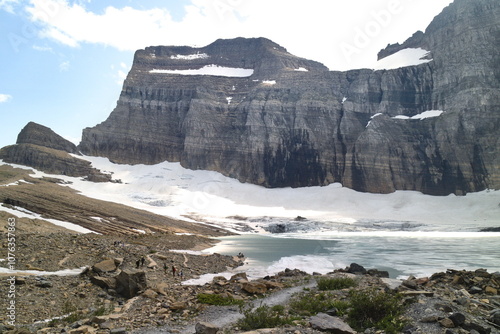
<point x="218" y="300"/>
<point x="265" y="317"/>
<point x="335" y="283"/>
<point x="312" y="303"/>
<point x="371" y="308"/>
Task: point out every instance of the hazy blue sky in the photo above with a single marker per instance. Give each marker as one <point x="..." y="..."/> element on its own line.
<point x="64" y="61"/>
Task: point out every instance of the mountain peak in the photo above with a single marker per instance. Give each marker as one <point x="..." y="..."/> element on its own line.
<point x="261" y="55"/>
<point x="37" y="134"/>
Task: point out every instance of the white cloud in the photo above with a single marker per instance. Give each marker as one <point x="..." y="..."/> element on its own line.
<point x="64" y="66"/>
<point x="342" y="35"/>
<point x="121" y="77"/>
<point x="8" y="5"/>
<point x="5" y="98"/>
<point x="42" y="48"/>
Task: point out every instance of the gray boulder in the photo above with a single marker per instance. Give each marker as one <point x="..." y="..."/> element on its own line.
<point x="130" y="284"/>
<point x="326" y="323"/>
<point x="206" y="328"/>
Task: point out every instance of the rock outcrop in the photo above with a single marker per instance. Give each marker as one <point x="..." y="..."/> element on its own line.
<point x="39" y="147"/>
<point x="37" y="134"/>
<point x="278" y="120"/>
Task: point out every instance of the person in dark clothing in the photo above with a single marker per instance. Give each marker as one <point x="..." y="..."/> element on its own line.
<point x="142" y="261"/>
<point x="173" y="271"/>
<point x="138" y="263"/>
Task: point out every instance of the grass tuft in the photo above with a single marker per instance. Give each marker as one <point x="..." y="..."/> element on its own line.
<point x="218" y="300"/>
<point x="307" y="304"/>
<point x="371" y="308"/>
<point x="265" y="317"/>
<point x="335" y="283"/>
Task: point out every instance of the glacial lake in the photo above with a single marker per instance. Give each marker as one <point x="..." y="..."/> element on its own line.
<point x="400" y="253"/>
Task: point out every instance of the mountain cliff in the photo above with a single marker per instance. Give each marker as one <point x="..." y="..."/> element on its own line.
<point x="250" y="110"/>
<point x="39" y="147"/>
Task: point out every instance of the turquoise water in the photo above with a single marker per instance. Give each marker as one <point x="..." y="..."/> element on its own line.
<point x="400" y="254"/>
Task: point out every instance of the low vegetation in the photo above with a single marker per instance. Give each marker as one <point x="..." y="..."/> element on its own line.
<point x="361" y="308"/>
<point x="266" y="316"/>
<point x="311" y="303"/>
<point x="371" y="308"/>
<point x="72" y="314"/>
<point x="335" y="283"/>
<point x="218" y="300"/>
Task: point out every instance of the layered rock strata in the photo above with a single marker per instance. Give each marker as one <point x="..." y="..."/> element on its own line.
<point x="250" y="110"/>
<point x="39" y="147"/>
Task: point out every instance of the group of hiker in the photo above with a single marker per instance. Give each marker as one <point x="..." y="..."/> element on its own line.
<point x="140" y="263"/>
<point x="180" y="273"/>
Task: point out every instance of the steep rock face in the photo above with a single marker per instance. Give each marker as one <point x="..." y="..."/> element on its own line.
<point x="37" y="134"/>
<point x="289" y="121"/>
<point x="41" y="148"/>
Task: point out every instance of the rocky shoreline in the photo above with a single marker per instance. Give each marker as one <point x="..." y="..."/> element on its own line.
<point x="117" y="292"/>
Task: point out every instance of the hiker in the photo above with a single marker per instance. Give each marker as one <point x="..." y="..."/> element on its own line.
<point x="142" y="261"/>
<point x="138" y="263"/>
<point x="181" y="274"/>
<point x="173" y="271"/>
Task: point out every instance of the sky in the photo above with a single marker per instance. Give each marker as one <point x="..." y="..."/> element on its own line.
<point x="64" y="61"/>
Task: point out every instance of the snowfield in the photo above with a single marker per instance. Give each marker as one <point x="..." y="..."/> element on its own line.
<point x="405" y="232"/>
<point x="171" y="190"/>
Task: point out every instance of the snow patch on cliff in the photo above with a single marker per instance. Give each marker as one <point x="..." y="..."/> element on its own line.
<point x="269" y="82"/>
<point x="403" y="58"/>
<point x="190" y="57"/>
<point x="214" y="70"/>
<point x="424" y="115"/>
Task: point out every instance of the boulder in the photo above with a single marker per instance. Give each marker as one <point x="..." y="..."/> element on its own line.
<point x="378" y="273"/>
<point x="83" y="330"/>
<point x="326" y="323"/>
<point x="457" y="318"/>
<point x="273" y="285"/>
<point x="178" y="306"/>
<point x="162" y="288"/>
<point x="44" y="283"/>
<point x="149" y="293"/>
<point x="254" y="287"/>
<point x="104" y="282"/>
<point x="491" y="290"/>
<point x="292" y="272"/>
<point x="357" y="269"/>
<point x="447" y="323"/>
<point x="495" y="317"/>
<point x="391" y="283"/>
<point x="206" y="328"/>
<point x="120" y="330"/>
<point x="129" y="284"/>
<point x="220" y="280"/>
<point x="105" y="266"/>
<point x="118" y="261"/>
<point x="238" y="277"/>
